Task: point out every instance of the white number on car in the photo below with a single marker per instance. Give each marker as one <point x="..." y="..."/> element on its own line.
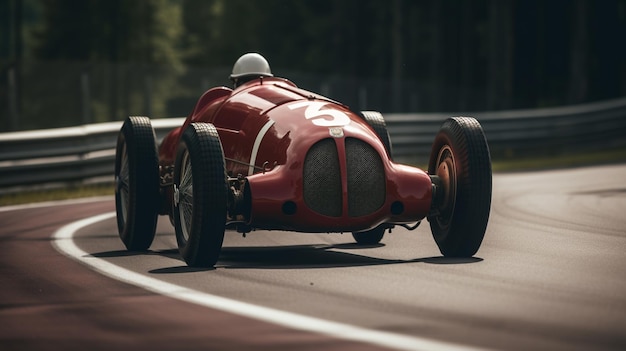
<point x="319" y="117"/>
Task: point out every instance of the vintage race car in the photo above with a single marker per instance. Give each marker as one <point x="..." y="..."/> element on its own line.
<point x="268" y="155"/>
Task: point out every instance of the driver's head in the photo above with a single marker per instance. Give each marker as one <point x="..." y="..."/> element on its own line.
<point x="248" y="67"/>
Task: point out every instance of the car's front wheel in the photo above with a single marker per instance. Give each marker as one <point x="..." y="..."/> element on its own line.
<point x="200" y="195"/>
<point x="136" y="183"/>
<point x="460" y="165"/>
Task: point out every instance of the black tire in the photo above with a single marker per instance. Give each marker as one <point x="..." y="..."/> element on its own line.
<point x="461" y="160"/>
<point x="370" y="237"/>
<point x="137" y="183"/>
<point x="376" y="120"/>
<point x="200" y="195"/>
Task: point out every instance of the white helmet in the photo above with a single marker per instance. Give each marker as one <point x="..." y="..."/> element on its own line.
<point x="251" y="64"/>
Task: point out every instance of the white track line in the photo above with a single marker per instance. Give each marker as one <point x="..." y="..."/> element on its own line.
<point x="64" y="243"/>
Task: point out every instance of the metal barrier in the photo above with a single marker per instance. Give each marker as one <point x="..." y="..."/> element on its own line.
<point x="522" y="133"/>
<point x="87" y="152"/>
<point x="64" y="155"/>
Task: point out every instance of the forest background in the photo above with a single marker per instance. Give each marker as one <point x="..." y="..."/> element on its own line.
<point x="71" y="62"/>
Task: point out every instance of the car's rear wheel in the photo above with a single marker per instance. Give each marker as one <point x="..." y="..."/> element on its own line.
<point x="376" y="120"/>
<point x="370" y="237"/>
<point x="461" y="165"/>
<point x="200" y="195"/>
<point x="136" y="183"/>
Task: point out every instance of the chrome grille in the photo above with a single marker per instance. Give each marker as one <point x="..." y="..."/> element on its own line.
<point x="322" y="179"/>
<point x="366" y="178"/>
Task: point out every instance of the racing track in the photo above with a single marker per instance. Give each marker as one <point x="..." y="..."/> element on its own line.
<point x="551" y="275"/>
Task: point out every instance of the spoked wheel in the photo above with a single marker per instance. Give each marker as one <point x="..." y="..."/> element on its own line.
<point x="376" y="120"/>
<point x="200" y="195"/>
<point x="137" y="183"/>
<point x="370" y="237"/>
<point x="461" y="165"/>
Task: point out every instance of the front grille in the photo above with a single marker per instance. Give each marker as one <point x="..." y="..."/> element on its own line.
<point x="322" y="179"/>
<point x="366" y="178"/>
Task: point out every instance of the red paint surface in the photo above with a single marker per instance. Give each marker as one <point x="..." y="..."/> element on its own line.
<point x="239" y="116"/>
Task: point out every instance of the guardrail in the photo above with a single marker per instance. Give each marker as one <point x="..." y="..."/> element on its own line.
<point x="75" y="154"/>
<point x="521" y="133"/>
<point x="87" y="152"/>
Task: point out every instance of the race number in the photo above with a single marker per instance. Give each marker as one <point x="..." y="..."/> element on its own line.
<point x="319" y="117"/>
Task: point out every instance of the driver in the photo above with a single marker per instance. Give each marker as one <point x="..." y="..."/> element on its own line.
<point x="249" y="67"/>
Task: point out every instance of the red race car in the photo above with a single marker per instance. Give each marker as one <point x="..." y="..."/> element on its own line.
<point x="268" y="155"/>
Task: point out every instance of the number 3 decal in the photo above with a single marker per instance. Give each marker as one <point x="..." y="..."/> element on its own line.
<point x="319" y="117"/>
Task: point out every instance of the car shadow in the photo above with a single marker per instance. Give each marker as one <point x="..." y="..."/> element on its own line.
<point x="169" y="253"/>
<point x="287" y="257"/>
<point x="450" y="260"/>
<point x="315" y="256"/>
<point x="295" y="256"/>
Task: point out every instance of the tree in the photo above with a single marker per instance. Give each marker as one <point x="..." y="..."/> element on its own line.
<point x="500" y="54"/>
<point x="110" y="30"/>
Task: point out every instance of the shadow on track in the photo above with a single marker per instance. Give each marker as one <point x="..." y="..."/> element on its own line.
<point x="286" y="257"/>
<point x="314" y="256"/>
<point x="297" y="257"/>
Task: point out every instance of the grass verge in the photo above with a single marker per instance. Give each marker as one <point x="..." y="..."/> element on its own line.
<point x="560" y="161"/>
<point x="74" y="192"/>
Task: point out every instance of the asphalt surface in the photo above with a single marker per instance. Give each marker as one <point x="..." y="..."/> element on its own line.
<point x="551" y="275"/>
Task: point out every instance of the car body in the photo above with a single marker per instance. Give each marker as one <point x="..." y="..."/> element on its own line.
<point x="293" y="148"/>
<point x="284" y="158"/>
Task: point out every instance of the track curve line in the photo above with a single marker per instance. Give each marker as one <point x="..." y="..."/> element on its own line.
<point x="63" y="241"/>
